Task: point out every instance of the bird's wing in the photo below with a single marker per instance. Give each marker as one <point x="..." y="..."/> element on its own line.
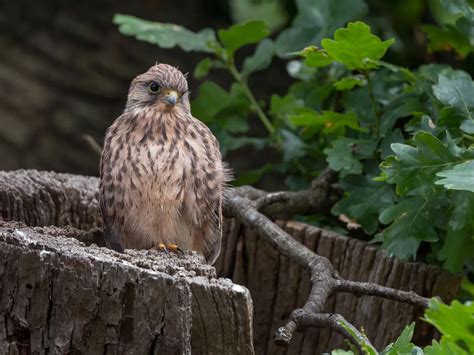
<point x="209" y="201"/>
<point x="112" y="239"/>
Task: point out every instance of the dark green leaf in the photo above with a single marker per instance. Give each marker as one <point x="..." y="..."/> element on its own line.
<point x="260" y="60"/>
<point x="344" y="154"/>
<point x="294" y="146"/>
<point x="315" y="57"/>
<point x="239" y="35"/>
<point x="230" y="143"/>
<point x="411" y="223"/>
<point x="457" y="249"/>
<point x="316" y="20"/>
<point x="467" y="126"/>
<point x="462" y="214"/>
<point x="445" y="38"/>
<point x="166" y="35"/>
<point x="459" y="177"/>
<point x="394" y="136"/>
<point x="349" y="82"/>
<point x="282" y="107"/>
<point x="202" y="68"/>
<point x="414" y="168"/>
<point x="273" y="13"/>
<point x="356" y="47"/>
<point x="358" y="101"/>
<point x="251" y="177"/>
<point x="407" y="74"/>
<point x="456" y="92"/>
<point x="367" y="198"/>
<point x="211" y="100"/>
<point x="328" y="121"/>
<point x="402" y="106"/>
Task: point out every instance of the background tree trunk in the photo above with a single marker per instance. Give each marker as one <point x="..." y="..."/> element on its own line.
<point x="220" y="311"/>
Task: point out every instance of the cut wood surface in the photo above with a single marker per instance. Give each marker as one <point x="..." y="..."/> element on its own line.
<point x="220" y="312"/>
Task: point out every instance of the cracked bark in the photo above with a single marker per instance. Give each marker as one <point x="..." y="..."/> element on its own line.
<point x="69" y="201"/>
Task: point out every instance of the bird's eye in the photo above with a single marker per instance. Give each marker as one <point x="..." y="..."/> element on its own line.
<point x="153" y="87"/>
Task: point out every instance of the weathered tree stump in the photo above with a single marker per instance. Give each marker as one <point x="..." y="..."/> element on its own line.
<point x="211" y="314"/>
<point x="59" y="295"/>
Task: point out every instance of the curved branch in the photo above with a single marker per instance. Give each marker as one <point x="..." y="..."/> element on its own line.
<point x="335" y="322"/>
<point x="324" y="279"/>
<point x="319" y="198"/>
<point x="371" y="289"/>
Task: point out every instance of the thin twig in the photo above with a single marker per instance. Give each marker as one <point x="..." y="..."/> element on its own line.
<point x="337" y="323"/>
<point x="255" y="105"/>
<point x="371" y="289"/>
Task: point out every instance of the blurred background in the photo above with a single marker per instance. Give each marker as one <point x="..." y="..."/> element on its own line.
<point x="65" y="68"/>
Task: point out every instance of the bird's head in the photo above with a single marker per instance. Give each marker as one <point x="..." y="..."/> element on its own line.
<point x="162" y="87"/>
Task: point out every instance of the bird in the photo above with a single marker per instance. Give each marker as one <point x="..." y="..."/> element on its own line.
<point x="162" y="178"/>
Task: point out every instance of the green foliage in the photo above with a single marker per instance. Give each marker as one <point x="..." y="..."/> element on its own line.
<point x="356" y="47"/>
<point x="260" y="60"/>
<point x="455" y="322"/>
<point x="166" y="35"/>
<point x="460" y="177"/>
<point x="239" y="35"/>
<point x="316" y="20"/>
<point x="272" y="12"/>
<point x="456" y="19"/>
<point x="401" y="140"/>
<point x="403" y="344"/>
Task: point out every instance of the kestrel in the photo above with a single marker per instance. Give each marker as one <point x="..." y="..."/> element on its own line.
<point x="161" y="172"/>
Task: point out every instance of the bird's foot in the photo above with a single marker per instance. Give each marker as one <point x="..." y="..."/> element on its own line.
<point x="169" y="247"/>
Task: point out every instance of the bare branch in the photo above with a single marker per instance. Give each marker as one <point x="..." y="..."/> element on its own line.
<point x="335" y="322"/>
<point x="371" y="289"/>
<point x="270" y="199"/>
<point x="325" y="280"/>
<point x="319" y="198"/>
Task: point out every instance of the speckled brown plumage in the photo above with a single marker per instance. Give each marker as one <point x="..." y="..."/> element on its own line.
<point x="162" y="176"/>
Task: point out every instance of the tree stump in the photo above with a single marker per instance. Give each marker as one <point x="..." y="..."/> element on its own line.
<point x="143" y="300"/>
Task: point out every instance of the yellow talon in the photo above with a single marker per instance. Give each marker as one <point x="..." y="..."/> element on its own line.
<point x="174" y="248"/>
<point x="162" y="247"/>
<point x="168" y="247"/>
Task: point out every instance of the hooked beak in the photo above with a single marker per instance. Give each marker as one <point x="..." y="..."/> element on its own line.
<point x="171" y="97"/>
